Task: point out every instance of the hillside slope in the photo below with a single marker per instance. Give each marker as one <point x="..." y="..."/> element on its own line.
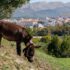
<point x="9" y="60"/>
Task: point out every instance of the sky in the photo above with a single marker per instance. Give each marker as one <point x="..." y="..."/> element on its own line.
<point x="65" y="1"/>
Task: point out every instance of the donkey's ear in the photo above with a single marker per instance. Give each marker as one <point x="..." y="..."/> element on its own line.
<point x="37" y="46"/>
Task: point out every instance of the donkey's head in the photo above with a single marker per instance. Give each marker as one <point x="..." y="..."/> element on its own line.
<point x="29" y="51"/>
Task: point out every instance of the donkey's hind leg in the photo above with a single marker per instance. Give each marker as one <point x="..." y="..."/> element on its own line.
<point x="0" y="39"/>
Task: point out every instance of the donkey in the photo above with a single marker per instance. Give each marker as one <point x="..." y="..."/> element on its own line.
<point x="18" y="34"/>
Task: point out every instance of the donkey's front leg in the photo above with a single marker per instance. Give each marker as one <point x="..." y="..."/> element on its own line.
<point x="18" y="48"/>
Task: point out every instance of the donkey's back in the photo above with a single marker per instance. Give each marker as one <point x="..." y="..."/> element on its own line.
<point x="10" y="31"/>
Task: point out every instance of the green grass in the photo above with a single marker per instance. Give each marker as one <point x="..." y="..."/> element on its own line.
<point x="7" y="43"/>
<point x="55" y="63"/>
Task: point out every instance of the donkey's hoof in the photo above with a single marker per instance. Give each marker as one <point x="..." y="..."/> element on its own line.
<point x="30" y="60"/>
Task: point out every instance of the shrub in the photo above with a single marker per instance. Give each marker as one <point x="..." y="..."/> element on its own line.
<point x="60" y="47"/>
<point x="46" y="39"/>
<point x="36" y="40"/>
<point x="54" y="46"/>
<point x="65" y="47"/>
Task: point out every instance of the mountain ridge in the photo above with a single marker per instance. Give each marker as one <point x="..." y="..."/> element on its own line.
<point x="33" y="10"/>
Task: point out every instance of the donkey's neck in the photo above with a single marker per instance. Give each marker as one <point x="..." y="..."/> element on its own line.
<point x="29" y="43"/>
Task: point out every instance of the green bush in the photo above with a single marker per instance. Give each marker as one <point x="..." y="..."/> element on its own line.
<point x="54" y="46"/>
<point x="46" y="39"/>
<point x="59" y="46"/>
<point x="65" y="47"/>
<point x="36" y="40"/>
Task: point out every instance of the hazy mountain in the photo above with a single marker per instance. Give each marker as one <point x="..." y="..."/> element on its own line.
<point x="43" y="9"/>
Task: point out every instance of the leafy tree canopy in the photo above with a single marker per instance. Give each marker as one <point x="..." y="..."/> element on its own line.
<point x="7" y="6"/>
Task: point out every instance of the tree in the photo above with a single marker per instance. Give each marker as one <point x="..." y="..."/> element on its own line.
<point x="7" y="6"/>
<point x="42" y="32"/>
<point x="30" y="31"/>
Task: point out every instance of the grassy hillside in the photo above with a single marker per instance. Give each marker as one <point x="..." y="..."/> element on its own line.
<point x="9" y="60"/>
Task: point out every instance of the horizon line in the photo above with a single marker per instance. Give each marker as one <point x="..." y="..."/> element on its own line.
<point x="49" y="1"/>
